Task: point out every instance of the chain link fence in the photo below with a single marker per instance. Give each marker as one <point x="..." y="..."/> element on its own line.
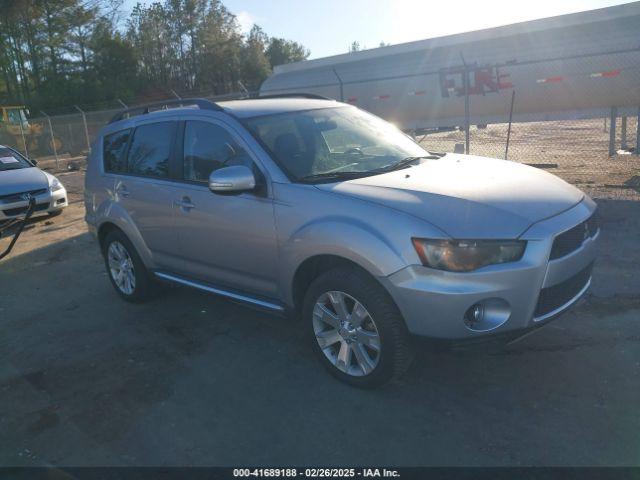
<point x="575" y="150"/>
<point x="582" y="151"/>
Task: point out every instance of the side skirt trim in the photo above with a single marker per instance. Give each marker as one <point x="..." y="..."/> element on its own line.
<point x="219" y="291"/>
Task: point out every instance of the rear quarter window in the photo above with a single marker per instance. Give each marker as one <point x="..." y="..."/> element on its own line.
<point x="115" y="151"/>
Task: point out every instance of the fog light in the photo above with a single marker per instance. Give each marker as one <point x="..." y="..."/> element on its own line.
<point x="474" y="315"/>
<point x="487" y="314"/>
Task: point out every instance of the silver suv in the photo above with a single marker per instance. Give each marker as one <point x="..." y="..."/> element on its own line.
<point x="317" y="209"/>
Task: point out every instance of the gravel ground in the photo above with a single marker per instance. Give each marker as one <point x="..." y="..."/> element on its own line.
<point x="190" y="379"/>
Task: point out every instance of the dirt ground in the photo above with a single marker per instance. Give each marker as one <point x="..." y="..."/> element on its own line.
<point x="191" y="379"/>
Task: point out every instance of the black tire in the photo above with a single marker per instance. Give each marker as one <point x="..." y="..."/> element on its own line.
<point x="56" y="213"/>
<point x="144" y="287"/>
<point x="395" y="352"/>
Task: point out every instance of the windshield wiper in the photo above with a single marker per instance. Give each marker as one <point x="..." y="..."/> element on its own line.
<point x="332" y="176"/>
<point x="338" y="175"/>
<point x="403" y="163"/>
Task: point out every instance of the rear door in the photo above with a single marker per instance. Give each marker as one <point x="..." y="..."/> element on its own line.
<point x="145" y="188"/>
<point x="228" y="240"/>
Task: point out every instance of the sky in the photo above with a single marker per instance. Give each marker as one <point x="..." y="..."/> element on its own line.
<point x="328" y="27"/>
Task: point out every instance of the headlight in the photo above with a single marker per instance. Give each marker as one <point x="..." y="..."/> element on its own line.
<point x="467" y="255"/>
<point x="55" y="185"/>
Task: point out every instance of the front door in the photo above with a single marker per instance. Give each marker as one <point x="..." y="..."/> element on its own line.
<point x="228" y="240"/>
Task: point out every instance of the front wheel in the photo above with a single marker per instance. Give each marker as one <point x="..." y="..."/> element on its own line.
<point x="356" y="328"/>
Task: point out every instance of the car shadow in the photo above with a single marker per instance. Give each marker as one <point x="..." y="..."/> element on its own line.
<point x="190" y="378"/>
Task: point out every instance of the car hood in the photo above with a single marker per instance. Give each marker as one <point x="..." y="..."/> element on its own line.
<point x="22" y="180"/>
<point x="467" y="196"/>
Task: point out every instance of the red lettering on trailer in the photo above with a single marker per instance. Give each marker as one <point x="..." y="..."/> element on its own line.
<point x="482" y="80"/>
<point x="503" y="80"/>
<point x="382" y="97"/>
<point x="419" y="92"/>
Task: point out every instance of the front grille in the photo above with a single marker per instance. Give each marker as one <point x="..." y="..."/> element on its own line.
<point x="18" y="197"/>
<point x="571" y="240"/>
<point x="20" y="210"/>
<point x="554" y="297"/>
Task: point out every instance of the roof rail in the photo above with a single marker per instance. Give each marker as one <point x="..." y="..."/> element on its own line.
<point x="201" y="103"/>
<point x="292" y="95"/>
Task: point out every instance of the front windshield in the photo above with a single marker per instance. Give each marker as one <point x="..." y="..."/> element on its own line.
<point x="341" y="140"/>
<point x="10" y="160"/>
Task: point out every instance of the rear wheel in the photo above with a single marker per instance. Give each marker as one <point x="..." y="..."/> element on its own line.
<point x="355" y="328"/>
<point x="126" y="271"/>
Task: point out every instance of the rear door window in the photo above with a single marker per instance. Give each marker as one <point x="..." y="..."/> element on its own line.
<point x="115" y="151"/>
<point x="150" y="149"/>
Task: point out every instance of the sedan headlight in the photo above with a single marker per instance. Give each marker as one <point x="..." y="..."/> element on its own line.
<point x="54" y="184"/>
<point x="467" y="255"/>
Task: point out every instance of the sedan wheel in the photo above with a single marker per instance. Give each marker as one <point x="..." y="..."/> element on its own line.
<point x="121" y="268"/>
<point x="346" y="333"/>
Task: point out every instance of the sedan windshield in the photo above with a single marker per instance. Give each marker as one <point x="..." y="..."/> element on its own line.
<point x="11" y="160"/>
<point x="329" y="143"/>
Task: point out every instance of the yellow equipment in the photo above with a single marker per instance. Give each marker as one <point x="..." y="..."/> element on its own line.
<point x="15" y="131"/>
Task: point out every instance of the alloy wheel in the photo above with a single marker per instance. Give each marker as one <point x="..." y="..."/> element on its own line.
<point x="346" y="333"/>
<point x="121" y="268"/>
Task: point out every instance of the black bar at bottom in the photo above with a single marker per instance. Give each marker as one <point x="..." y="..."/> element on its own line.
<point x="410" y="473"/>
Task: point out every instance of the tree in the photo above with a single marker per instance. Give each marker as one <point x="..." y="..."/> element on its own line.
<point x="281" y="51"/>
<point x="355" y="47"/>
<point x="113" y="53"/>
<point x="56" y="53"/>
<point x="255" y="64"/>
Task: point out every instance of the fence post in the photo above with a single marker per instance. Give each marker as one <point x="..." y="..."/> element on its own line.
<point x="637" y="151"/>
<point x="53" y="140"/>
<point x="506" y="149"/>
<point x="24" y="140"/>
<point x="612" y="131"/>
<point x="340" y="82"/>
<point x="86" y="129"/>
<point x="623" y="133"/>
<point x="244" y="89"/>
<point x="467" y="139"/>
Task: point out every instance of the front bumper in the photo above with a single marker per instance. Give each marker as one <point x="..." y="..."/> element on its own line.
<point x="46" y="202"/>
<point x="515" y="296"/>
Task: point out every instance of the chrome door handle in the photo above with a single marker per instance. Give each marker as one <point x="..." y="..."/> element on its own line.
<point x="184" y="203"/>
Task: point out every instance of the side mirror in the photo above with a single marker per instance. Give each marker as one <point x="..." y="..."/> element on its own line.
<point x="238" y="178"/>
<point x="34" y="161"/>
